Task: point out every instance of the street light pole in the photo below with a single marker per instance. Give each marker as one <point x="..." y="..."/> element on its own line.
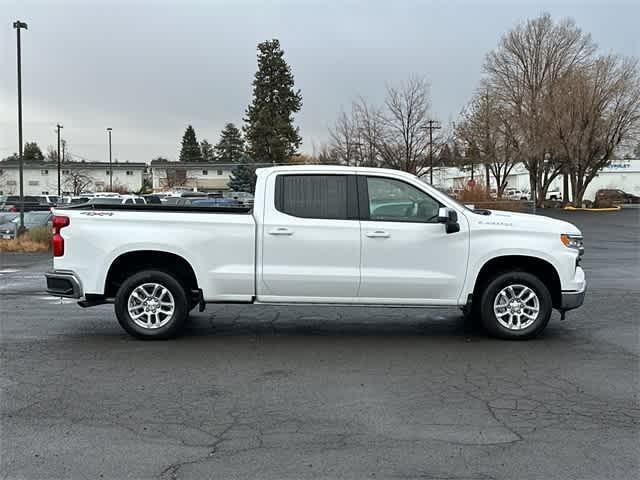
<point x="18" y="25"/>
<point x="110" y="168"/>
<point x="58" y="126"/>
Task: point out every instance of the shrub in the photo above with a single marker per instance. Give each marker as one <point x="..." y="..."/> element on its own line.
<point x="37" y="239"/>
<point x="475" y="194"/>
<point x="39" y="235"/>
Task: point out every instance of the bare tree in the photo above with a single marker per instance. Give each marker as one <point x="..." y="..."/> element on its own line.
<point x="594" y="110"/>
<point x="395" y="135"/>
<point x="487" y="131"/>
<point x="77" y="181"/>
<point x="52" y="154"/>
<point x="404" y="139"/>
<point x="175" y="177"/>
<point x="355" y="137"/>
<point x="524" y="70"/>
<point x="345" y="140"/>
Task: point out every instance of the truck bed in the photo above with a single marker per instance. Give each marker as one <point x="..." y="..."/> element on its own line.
<point x="157" y="208"/>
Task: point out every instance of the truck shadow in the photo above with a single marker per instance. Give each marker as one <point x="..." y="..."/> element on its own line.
<point x="330" y="321"/>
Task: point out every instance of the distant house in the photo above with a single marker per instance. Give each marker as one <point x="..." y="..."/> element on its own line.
<point x="200" y="176"/>
<point x="41" y="178"/>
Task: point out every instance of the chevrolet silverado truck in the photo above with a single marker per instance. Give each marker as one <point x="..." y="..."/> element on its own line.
<point x="319" y="235"/>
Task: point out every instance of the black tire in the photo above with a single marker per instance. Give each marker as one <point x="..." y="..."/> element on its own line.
<point x="489" y="319"/>
<point x="175" y="322"/>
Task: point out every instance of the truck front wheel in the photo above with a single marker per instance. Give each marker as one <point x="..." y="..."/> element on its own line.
<point x="151" y="305"/>
<point x="515" y="305"/>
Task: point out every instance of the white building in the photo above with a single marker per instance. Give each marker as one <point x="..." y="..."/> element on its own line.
<point x="41" y="178"/>
<point x="200" y="176"/>
<point x="620" y="174"/>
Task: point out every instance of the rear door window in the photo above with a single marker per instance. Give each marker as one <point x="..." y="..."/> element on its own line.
<point x="317" y="196"/>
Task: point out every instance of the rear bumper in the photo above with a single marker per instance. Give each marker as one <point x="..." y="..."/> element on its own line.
<point x="63" y="283"/>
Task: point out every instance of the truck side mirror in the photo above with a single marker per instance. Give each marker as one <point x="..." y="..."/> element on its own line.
<point x="449" y="217"/>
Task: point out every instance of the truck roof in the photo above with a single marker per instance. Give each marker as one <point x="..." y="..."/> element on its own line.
<point x="333" y="168"/>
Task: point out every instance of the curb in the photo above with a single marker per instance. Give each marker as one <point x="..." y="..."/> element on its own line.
<point x="574" y="209"/>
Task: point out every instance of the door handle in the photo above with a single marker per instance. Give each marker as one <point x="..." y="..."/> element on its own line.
<point x="378" y="234"/>
<point x="280" y="231"/>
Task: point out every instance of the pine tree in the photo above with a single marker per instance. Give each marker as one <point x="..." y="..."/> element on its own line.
<point x="269" y="130"/>
<point x="243" y="175"/>
<point x="190" y="151"/>
<point x="32" y="152"/>
<point x="208" y="154"/>
<point x="231" y="145"/>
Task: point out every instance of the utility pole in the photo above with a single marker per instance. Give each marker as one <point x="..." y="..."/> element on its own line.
<point x="18" y="25"/>
<point x="433" y="125"/>
<point x="109" y="129"/>
<point x="58" y="126"/>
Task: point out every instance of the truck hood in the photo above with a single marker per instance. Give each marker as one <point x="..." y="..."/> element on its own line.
<point x="527" y="221"/>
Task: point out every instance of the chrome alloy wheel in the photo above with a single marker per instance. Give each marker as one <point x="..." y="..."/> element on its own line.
<point x="151" y="305"/>
<point x="516" y="307"/>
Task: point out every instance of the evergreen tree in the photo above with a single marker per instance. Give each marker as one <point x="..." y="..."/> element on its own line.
<point x="207" y="151"/>
<point x="32" y="152"/>
<point x="243" y="175"/>
<point x="269" y="130"/>
<point x="231" y="145"/>
<point x="190" y="151"/>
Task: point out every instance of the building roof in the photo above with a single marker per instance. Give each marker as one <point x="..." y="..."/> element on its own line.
<point x="66" y="165"/>
<point x="211" y="165"/>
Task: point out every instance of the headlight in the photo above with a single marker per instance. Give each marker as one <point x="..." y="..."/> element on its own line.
<point x="575" y="242"/>
<point x="572" y="241"/>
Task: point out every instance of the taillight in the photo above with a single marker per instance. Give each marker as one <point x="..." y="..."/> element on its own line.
<point x="13" y="209"/>
<point x="57" y="242"/>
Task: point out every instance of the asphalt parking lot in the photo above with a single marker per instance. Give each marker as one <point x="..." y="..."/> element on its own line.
<point x="296" y="393"/>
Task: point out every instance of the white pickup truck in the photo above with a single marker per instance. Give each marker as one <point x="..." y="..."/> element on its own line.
<point x="319" y="235"/>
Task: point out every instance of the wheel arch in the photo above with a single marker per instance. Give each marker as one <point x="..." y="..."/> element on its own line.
<point x="131" y="262"/>
<point x="541" y="268"/>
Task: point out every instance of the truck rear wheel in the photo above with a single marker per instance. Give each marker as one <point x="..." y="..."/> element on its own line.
<point x="516" y="306"/>
<point x="151" y="305"/>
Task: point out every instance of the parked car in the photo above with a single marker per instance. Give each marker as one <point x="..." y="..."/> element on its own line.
<point x="153" y="199"/>
<point x="615" y="196"/>
<point x="514" y="194"/>
<point x="122" y="200"/>
<point x="244" y="198"/>
<point x="212" y="202"/>
<point x="32" y="219"/>
<point x="553" y="194"/>
<point x="7" y="216"/>
<point x="12" y="203"/>
<point x="48" y="199"/>
<point x="194" y="195"/>
<point x="320" y="235"/>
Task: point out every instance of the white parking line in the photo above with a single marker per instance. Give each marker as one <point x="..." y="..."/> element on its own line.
<point x="55" y="300"/>
<point x="8" y="270"/>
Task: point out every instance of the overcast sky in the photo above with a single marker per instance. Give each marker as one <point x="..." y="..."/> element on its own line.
<point x="149" y="68"/>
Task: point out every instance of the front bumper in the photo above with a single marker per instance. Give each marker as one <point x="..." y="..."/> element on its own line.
<point x="63" y="283"/>
<point x="571" y="300"/>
